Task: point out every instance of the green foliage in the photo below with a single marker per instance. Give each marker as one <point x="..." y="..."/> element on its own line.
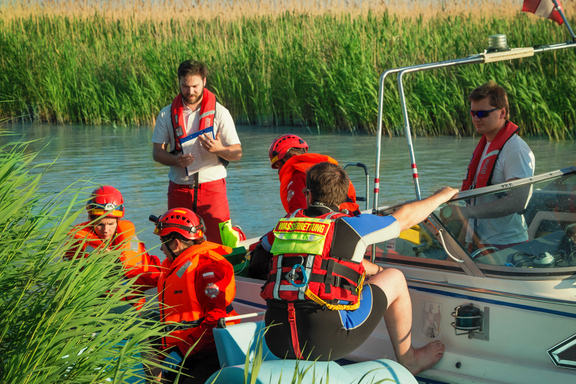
<point x="317" y="71"/>
<point x="62" y="321"/>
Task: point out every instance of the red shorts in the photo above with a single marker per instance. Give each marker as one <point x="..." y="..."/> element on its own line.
<point x="211" y="204"/>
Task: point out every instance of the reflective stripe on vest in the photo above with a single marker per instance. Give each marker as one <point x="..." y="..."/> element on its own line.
<point x="301" y="261"/>
<point x="178" y="299"/>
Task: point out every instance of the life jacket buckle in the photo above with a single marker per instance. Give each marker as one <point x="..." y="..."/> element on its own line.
<point x="291" y="314"/>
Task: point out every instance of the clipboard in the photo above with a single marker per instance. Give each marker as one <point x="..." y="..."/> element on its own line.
<point x="190" y="146"/>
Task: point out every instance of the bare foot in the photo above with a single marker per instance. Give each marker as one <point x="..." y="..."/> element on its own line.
<point x="418" y="360"/>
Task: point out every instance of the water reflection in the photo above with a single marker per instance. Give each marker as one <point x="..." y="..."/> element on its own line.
<point x="123" y="157"/>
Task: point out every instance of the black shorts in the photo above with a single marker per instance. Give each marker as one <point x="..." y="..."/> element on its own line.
<point x="324" y="335"/>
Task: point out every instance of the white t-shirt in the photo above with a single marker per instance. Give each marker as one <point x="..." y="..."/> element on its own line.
<point x="212" y="169"/>
<point x="516" y="160"/>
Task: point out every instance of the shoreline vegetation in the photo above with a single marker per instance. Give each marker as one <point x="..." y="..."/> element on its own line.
<point x="63" y="321"/>
<point x="303" y="63"/>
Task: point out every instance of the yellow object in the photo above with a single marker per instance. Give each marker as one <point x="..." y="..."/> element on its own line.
<point x="229" y="236"/>
<point x="412" y="235"/>
<point x="338" y="307"/>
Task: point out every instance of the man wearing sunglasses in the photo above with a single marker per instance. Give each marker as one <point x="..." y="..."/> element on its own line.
<point x="500" y="156"/>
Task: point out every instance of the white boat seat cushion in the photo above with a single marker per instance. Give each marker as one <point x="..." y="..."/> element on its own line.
<point x="237" y="341"/>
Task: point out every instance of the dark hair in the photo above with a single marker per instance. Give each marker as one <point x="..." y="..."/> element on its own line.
<point x="296" y="151"/>
<point x="328" y="182"/>
<point x="175" y="235"/>
<point x="497" y="95"/>
<point x="192" y="68"/>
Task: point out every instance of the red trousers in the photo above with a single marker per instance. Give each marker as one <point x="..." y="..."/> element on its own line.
<point x="211" y="204"/>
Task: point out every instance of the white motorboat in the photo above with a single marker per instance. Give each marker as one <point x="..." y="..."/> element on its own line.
<point x="505" y="315"/>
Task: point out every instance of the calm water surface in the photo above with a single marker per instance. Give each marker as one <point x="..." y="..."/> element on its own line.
<point x="122" y="157"/>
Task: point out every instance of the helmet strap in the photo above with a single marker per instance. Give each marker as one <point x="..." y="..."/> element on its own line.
<point x="170" y="251"/>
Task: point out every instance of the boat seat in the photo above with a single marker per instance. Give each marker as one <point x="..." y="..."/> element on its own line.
<point x="308" y="372"/>
<point x="541" y="216"/>
<point x="236" y="341"/>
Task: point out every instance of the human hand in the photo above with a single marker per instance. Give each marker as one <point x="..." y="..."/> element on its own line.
<point x="209" y="144"/>
<point x="446" y="193"/>
<point x="184" y="160"/>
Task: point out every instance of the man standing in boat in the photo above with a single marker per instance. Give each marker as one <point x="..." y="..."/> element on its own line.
<point x="500" y="156"/>
<point x="202" y="139"/>
<point x="319" y="305"/>
<point x="289" y="155"/>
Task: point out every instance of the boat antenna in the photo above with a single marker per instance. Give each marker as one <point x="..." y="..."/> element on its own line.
<point x="558" y="8"/>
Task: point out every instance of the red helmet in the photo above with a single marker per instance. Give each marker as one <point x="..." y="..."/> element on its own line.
<point x="281" y="145"/>
<point x="182" y="221"/>
<point x="106" y="200"/>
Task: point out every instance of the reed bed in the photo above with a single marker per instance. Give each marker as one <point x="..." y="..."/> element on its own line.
<point x="62" y="321"/>
<point x="317" y="68"/>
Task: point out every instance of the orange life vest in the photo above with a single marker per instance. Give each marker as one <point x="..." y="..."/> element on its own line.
<point x="301" y="163"/>
<point x="134" y="257"/>
<point x="207" y="112"/>
<point x="178" y="300"/>
<point x="301" y="261"/>
<point x="484" y="177"/>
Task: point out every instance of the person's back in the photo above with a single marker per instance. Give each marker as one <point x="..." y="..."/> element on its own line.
<point x="289" y="154"/>
<point x="319" y="306"/>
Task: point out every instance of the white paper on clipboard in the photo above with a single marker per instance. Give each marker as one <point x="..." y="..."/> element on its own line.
<point x="202" y="158"/>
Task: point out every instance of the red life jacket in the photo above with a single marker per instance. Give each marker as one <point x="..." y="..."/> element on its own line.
<point x="178" y="300"/>
<point x="487" y="168"/>
<point x="207" y="112"/>
<point x="301" y="260"/>
<point x="301" y="163"/>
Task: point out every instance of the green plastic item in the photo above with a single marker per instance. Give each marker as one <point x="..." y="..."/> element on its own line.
<point x="238" y="260"/>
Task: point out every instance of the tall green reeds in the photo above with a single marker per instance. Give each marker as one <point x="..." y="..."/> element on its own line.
<point x="62" y="321"/>
<point x="321" y="71"/>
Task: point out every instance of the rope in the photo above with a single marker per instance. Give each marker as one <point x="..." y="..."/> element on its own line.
<point x="338" y="307"/>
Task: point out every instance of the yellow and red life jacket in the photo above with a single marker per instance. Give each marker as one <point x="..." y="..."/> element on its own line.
<point x="178" y="298"/>
<point x="301" y="163"/>
<point x="207" y="112"/>
<point x="302" y="267"/>
<point x="484" y="177"/>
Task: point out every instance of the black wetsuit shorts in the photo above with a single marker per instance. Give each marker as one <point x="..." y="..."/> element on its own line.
<point x="324" y="335"/>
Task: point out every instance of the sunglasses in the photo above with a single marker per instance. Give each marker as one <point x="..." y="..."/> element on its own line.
<point x="482" y="114"/>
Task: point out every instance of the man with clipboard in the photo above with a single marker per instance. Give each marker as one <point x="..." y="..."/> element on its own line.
<point x="202" y="138"/>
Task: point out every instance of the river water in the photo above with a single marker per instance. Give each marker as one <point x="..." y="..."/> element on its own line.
<point x="122" y="157"/>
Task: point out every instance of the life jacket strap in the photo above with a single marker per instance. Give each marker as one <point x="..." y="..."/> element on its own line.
<point x="332" y="276"/>
<point x="337" y="307"/>
<point x="294" y="331"/>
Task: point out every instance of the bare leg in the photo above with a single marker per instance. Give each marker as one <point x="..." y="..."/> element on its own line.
<point x="398" y="317"/>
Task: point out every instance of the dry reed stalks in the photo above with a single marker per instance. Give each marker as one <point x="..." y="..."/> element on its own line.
<point x="163" y="10"/>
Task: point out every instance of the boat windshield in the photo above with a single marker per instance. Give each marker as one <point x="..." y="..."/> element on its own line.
<point x="525" y="224"/>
